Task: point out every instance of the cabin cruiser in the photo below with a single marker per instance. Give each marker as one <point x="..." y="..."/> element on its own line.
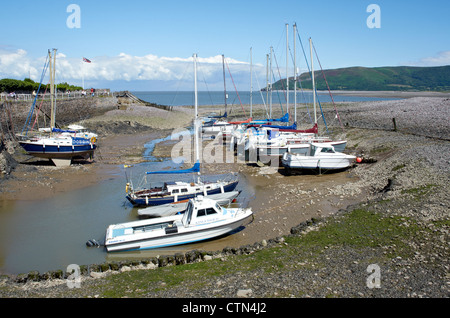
<point x="204" y="219"/>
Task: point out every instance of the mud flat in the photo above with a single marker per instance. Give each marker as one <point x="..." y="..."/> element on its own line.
<point x="406" y="185"/>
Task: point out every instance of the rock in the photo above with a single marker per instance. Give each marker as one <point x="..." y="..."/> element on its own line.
<point x="33" y="276"/>
<point x="244" y="293"/>
<point x="96" y="275"/>
<point x="125" y="269"/>
<point x="193" y="256"/>
<point x="151" y="266"/>
<point x="179" y="259"/>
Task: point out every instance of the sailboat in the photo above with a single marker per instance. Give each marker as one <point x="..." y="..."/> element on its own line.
<point x="312" y="154"/>
<point x="58" y="145"/>
<point x="289" y="139"/>
<point x="219" y="126"/>
<point x="177" y="191"/>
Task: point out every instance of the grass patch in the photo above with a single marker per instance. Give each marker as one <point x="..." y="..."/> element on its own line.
<point x="398" y="167"/>
<point x="359" y="229"/>
<point x="419" y="192"/>
<point x="381" y="149"/>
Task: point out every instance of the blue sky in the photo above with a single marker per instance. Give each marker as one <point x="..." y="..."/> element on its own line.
<point x="148" y="44"/>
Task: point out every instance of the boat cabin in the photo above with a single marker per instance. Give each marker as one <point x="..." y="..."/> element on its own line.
<point x="201" y="211"/>
<point x="316" y="149"/>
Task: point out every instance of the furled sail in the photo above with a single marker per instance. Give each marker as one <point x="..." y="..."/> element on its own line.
<point x="284" y="119"/>
<point x="195" y="168"/>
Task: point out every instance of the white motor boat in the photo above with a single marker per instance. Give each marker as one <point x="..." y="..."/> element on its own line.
<point x="181" y="206"/>
<point x="319" y="156"/>
<point x="204" y="219"/>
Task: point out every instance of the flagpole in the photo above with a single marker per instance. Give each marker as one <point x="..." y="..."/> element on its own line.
<point x="82" y="74"/>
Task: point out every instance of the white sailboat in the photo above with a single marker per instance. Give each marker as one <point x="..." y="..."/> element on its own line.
<point x="323" y="155"/>
<point x="276" y="144"/>
<point x="59" y="145"/>
<point x="172" y="192"/>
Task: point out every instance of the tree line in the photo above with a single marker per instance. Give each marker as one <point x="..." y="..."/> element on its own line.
<point x="27" y="86"/>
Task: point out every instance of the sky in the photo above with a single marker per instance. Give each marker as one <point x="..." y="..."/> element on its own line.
<point x="148" y="45"/>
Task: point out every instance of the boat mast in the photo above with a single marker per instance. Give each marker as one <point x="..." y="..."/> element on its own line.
<point x="287" y="73"/>
<point x="271" y="73"/>
<point x="251" y="85"/>
<point x="224" y="84"/>
<point x="313" y="81"/>
<point x="55" y="90"/>
<point x="52" y="87"/>
<point x="196" y="110"/>
<point x="267" y="81"/>
<point x="295" y="76"/>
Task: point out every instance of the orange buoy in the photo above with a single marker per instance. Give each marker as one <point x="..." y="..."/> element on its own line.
<point x="358" y="159"/>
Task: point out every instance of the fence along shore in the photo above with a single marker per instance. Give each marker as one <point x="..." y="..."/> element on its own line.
<point x="99" y="92"/>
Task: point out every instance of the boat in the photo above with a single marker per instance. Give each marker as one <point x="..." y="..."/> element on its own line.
<point x="204" y="219"/>
<point x="171" y="192"/>
<point x="271" y="144"/>
<point x="60" y="149"/>
<point x="58" y="145"/>
<point x="180" y="206"/>
<point x="175" y="191"/>
<point x="320" y="156"/>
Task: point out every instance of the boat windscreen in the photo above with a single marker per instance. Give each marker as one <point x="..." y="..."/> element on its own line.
<point x="188" y="214"/>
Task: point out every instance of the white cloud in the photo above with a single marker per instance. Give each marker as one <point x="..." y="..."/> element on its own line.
<point x="16" y="64"/>
<point x="125" y="67"/>
<point x="441" y="59"/>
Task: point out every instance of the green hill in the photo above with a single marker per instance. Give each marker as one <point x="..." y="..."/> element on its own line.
<point x="401" y="78"/>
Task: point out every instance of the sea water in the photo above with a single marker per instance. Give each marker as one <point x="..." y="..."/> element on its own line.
<point x="216" y="98"/>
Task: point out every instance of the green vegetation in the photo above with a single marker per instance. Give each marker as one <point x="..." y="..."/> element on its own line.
<point x="419" y="192"/>
<point x="360" y="229"/>
<point x="28" y="85"/>
<point x="401" y="78"/>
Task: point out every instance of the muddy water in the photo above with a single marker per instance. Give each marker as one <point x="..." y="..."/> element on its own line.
<point x="51" y="233"/>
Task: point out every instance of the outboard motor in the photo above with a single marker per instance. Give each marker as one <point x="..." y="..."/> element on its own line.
<point x="92" y="243"/>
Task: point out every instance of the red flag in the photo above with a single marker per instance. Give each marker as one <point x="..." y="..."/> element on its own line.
<point x="86" y="60"/>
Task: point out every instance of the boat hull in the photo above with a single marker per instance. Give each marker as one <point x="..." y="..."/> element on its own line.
<point x="326" y="163"/>
<point x="183" y="236"/>
<point x="295" y="148"/>
<point x="58" y="152"/>
<point x="159" y="200"/>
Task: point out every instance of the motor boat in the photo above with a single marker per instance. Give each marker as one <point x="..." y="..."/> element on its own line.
<point x="318" y="156"/>
<point x="204" y="219"/>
